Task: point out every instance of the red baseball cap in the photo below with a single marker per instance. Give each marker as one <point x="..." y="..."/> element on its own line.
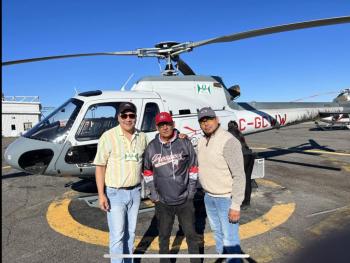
<point x="163" y="117"/>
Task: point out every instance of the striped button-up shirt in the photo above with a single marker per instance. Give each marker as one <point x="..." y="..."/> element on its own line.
<point x="122" y="157"/>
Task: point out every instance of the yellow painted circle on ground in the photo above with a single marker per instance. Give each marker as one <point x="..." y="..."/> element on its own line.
<point x="61" y="221"/>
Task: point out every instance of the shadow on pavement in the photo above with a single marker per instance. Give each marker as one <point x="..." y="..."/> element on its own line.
<point x="84" y="186"/>
<point x="14" y="175"/>
<point x="334" y="247"/>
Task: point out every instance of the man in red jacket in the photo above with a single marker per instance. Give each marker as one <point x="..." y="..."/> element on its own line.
<point x="171" y="172"/>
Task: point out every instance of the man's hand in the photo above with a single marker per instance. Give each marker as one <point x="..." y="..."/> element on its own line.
<point x="103" y="201"/>
<point x="183" y="136"/>
<point x="154" y="199"/>
<point x="154" y="196"/>
<point x="233" y="216"/>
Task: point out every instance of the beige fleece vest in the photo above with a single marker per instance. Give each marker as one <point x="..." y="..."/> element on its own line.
<point x="214" y="174"/>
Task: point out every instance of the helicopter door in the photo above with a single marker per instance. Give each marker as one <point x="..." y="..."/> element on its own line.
<point x="148" y="124"/>
<point x="80" y="149"/>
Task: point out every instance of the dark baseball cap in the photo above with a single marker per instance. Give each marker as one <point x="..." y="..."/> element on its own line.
<point x="126" y="106"/>
<point x="206" y="112"/>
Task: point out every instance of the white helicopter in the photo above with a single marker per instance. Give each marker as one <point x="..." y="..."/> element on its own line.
<point x="329" y="120"/>
<point x="65" y="142"/>
<point x="333" y="120"/>
<point x="341" y="120"/>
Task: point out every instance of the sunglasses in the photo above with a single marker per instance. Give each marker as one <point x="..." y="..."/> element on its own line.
<point x="163" y="124"/>
<point x="131" y="116"/>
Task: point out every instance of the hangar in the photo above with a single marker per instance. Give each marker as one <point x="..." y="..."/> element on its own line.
<point x="19" y="114"/>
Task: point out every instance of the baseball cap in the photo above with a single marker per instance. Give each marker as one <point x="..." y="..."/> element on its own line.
<point x="126" y="106"/>
<point x="163" y="117"/>
<point x="206" y="112"/>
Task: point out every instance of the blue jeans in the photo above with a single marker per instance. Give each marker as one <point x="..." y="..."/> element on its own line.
<point x="122" y="217"/>
<point x="225" y="233"/>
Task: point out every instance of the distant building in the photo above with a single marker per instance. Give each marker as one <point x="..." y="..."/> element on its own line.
<point x="19" y="114"/>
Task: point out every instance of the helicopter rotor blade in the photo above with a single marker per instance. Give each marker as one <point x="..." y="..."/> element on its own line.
<point x="272" y="30"/>
<point x="138" y="52"/>
<point x="173" y="50"/>
<point x="183" y="67"/>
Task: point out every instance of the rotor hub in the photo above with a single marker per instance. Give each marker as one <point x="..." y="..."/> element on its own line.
<point x="166" y="44"/>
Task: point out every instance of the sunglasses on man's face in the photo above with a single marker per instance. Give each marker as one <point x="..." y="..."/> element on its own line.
<point x="124" y="116"/>
<point x="164" y="124"/>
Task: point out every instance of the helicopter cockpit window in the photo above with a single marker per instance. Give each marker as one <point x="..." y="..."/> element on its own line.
<point x="98" y="119"/>
<point x="148" y="121"/>
<point x="55" y="127"/>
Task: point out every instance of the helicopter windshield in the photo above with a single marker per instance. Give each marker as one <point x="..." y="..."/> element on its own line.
<point x="98" y="118"/>
<point x="55" y="127"/>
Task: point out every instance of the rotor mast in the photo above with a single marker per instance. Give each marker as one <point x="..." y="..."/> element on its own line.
<point x="165" y="49"/>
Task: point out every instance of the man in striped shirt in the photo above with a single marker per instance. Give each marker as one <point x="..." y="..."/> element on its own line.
<point x="118" y="177"/>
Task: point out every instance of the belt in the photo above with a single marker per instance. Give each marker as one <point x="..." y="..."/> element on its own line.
<point x="126" y="188"/>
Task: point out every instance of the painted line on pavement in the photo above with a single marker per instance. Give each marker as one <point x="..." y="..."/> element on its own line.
<point x="268" y="183"/>
<point x="60" y="220"/>
<point x="328" y="211"/>
<point x="332" y="223"/>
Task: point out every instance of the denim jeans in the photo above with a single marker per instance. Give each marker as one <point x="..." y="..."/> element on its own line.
<point x="122" y="217"/>
<point x="225" y="233"/>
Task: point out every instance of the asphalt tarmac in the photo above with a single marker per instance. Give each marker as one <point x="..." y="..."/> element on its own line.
<point x="300" y="211"/>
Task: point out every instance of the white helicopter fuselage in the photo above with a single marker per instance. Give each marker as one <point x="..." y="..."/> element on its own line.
<point x="65" y="143"/>
<point x="339" y="119"/>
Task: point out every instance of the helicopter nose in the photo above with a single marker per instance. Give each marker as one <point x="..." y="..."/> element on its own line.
<point x="29" y="156"/>
<point x="9" y="157"/>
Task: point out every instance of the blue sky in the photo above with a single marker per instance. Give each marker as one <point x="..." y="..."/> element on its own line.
<point x="280" y="67"/>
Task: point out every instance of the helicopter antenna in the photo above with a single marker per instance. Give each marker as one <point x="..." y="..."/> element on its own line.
<point x="126" y="82"/>
<point x="76" y="91"/>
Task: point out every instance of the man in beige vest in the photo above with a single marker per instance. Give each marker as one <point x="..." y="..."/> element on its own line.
<point x="221" y="174"/>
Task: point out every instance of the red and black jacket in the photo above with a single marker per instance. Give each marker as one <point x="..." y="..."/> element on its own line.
<point x="171" y="170"/>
